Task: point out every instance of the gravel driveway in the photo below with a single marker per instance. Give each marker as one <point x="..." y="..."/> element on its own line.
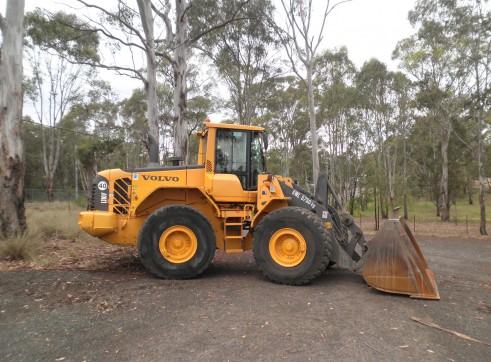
<point x="233" y="313"/>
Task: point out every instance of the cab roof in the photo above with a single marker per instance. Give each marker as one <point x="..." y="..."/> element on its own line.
<point x="233" y="126"/>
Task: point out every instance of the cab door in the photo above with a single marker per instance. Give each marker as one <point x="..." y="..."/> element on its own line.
<point x="238" y="161"/>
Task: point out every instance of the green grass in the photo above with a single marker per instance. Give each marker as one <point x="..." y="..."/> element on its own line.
<point x="425" y="211"/>
<point x="423" y="221"/>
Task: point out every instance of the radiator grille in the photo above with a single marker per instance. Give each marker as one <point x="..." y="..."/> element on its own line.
<point x="121" y="200"/>
<point x="91" y="205"/>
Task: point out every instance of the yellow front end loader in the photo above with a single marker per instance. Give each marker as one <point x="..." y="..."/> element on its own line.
<point x="179" y="215"/>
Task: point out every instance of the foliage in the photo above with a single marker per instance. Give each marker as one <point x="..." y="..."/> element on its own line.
<point x="63" y="33"/>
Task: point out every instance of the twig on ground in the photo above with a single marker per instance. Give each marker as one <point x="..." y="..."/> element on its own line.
<point x="376" y="350"/>
<point x="433" y="325"/>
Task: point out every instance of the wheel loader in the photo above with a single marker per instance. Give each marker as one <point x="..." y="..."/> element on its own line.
<point x="179" y="215"/>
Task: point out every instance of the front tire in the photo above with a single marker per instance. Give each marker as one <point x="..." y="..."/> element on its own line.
<point x="292" y="246"/>
<point x="176" y="242"/>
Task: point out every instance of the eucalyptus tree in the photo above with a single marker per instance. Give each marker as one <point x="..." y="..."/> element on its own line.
<point x="12" y="168"/>
<point x="430" y="57"/>
<point x="243" y="53"/>
<point x="93" y="135"/>
<point x="472" y="37"/>
<point x="54" y="46"/>
<point x="134" y="119"/>
<point x="287" y="120"/>
<point x="160" y="35"/>
<point x="404" y="92"/>
<point x="378" y="103"/>
<point x="337" y="113"/>
<point x="301" y="46"/>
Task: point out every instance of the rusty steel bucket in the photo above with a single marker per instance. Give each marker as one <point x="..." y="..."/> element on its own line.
<point x="394" y="263"/>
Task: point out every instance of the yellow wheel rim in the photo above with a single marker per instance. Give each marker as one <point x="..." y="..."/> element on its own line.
<point x="287" y="247"/>
<point x="178" y="244"/>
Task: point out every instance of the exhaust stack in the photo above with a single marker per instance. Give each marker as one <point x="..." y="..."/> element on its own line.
<point x="153" y="151"/>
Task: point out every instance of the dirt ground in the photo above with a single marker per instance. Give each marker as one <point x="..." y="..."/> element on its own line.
<point x="233" y="313"/>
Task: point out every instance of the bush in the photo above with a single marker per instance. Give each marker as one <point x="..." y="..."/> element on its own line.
<point x="25" y="247"/>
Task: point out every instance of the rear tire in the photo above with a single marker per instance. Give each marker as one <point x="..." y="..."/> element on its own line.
<point x="176" y="242"/>
<point x="292" y="246"/>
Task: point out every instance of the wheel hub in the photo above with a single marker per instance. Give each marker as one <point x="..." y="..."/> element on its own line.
<point x="287" y="247"/>
<point x="178" y="244"/>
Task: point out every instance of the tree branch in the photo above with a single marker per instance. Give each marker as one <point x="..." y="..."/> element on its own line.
<point x="119" y="69"/>
<point x="219" y="26"/>
<point x="3" y="23"/>
<point x="190" y="5"/>
<point x="125" y="23"/>
<point x="168" y="25"/>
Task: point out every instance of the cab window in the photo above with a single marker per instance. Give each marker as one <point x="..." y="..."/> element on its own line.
<point x="240" y="153"/>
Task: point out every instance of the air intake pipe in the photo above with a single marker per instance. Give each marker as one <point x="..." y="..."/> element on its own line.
<point x="153" y="151"/>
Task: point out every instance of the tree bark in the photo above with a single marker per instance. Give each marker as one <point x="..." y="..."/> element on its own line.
<point x="443" y="202"/>
<point x="12" y="166"/>
<point x="146" y="16"/>
<point x="313" y="125"/>
<point x="404" y="178"/>
<point x="480" y="151"/>
<point x="180" y="82"/>
<point x="482" y="200"/>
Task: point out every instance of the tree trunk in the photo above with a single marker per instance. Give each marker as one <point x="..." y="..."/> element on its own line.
<point x="180" y="82"/>
<point x="480" y="151"/>
<point x="482" y="201"/>
<point x="146" y="16"/>
<point x="286" y="167"/>
<point x="90" y="173"/>
<point x="444" y="203"/>
<point x="404" y="178"/>
<point x="51" y="155"/>
<point x="313" y="125"/>
<point x="376" y="209"/>
<point x="12" y="167"/>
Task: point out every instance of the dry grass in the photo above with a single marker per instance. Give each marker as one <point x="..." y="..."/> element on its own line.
<point x="26" y="247"/>
<point x="57" y="220"/>
<point x="54" y="241"/>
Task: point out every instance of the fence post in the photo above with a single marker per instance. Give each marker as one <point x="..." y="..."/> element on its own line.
<point x="466" y="226"/>
<point x="414" y="222"/>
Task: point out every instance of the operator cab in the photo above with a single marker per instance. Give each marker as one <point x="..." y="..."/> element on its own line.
<point x="233" y="157"/>
<point x="239" y="152"/>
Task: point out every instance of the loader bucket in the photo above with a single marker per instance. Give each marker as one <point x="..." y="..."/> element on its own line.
<point x="394" y="263"/>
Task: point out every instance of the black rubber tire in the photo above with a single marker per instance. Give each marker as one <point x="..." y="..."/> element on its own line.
<point x="317" y="238"/>
<point x="156" y="224"/>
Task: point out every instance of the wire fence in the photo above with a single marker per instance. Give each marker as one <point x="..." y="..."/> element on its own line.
<point x="458" y="226"/>
<point x="40" y="195"/>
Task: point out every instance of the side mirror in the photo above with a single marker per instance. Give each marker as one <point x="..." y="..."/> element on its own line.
<point x="265" y="140"/>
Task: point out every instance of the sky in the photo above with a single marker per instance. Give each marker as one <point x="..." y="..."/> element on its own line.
<point x="368" y="28"/>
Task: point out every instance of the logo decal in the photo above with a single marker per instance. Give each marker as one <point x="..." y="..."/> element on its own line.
<point x="160" y="178"/>
<point x="135" y="176"/>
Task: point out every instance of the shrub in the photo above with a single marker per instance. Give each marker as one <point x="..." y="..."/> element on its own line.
<point x="25" y="247"/>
